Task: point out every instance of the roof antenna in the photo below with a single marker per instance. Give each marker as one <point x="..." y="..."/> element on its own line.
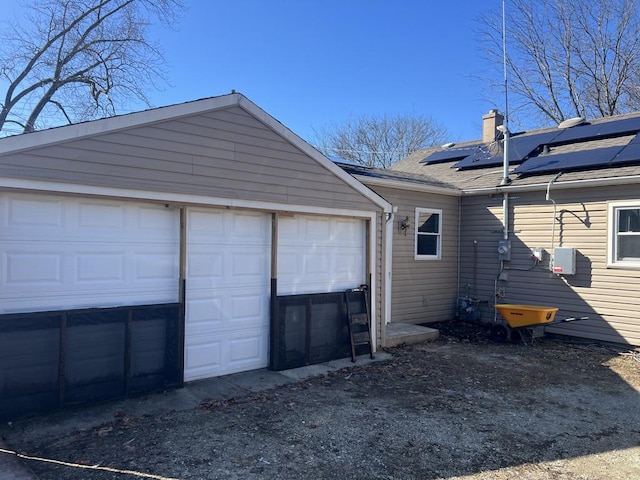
<point x="504" y="128"/>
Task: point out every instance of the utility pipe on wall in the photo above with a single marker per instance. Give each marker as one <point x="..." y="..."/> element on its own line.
<point x="553" y="225"/>
<point x="505" y="179"/>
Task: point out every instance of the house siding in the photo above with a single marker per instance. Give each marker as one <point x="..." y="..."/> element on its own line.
<point x="423" y="291"/>
<point x="607" y="296"/>
<point x="225" y="153"/>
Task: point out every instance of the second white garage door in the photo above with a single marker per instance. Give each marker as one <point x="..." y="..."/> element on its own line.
<point x="228" y="273"/>
<point x="227" y="301"/>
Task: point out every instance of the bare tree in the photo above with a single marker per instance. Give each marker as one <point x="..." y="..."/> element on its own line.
<point x="379" y="141"/>
<point x="73" y="60"/>
<point x="567" y="58"/>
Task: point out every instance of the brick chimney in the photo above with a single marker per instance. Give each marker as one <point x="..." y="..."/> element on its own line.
<point x="490" y="122"/>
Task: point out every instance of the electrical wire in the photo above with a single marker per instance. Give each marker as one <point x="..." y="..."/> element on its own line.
<point x="87" y="467"/>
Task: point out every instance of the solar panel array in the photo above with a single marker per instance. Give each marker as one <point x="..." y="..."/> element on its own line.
<point x="569" y="161"/>
<point x="526" y="150"/>
<point x="520" y="147"/>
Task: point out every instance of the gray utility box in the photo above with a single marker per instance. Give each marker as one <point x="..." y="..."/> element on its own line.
<point x="564" y="260"/>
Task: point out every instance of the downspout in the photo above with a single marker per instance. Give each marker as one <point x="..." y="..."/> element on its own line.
<point x="388" y="261"/>
<point x="505" y="201"/>
<point x="553" y="224"/>
<point x="459" y="240"/>
<point x="505" y="179"/>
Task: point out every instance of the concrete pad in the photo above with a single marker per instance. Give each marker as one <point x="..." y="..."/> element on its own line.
<point x="406" y="333"/>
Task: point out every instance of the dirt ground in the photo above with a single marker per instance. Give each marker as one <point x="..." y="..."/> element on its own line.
<point x="460" y="407"/>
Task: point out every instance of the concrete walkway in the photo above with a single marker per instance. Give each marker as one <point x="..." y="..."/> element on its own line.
<point x="66" y="421"/>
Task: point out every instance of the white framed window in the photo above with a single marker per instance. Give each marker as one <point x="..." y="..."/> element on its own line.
<point x="624" y="235"/>
<point x="428" y="234"/>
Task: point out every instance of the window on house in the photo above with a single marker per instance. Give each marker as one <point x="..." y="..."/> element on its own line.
<point x="624" y="244"/>
<point x="428" y="234"/>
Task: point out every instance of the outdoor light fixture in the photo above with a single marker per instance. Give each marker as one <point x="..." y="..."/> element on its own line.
<point x="404" y="224"/>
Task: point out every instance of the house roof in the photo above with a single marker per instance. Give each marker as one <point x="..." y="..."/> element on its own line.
<point x="59" y="135"/>
<point x="398" y="179"/>
<point x="606" y="150"/>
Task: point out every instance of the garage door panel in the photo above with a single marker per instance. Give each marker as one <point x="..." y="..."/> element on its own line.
<point x="224" y="353"/>
<point x="100" y="267"/>
<point x="67" y="252"/>
<point x="101" y="216"/>
<point x="31" y="268"/>
<point x="315" y="228"/>
<point x="226" y="310"/>
<point x="247" y="309"/>
<point x="317" y="255"/>
<point x="227" y="291"/>
<point x="249" y="228"/>
<point x="205" y="311"/>
<point x="155" y="266"/>
<point x="248" y="350"/>
<point x="349" y="264"/>
<point x="204" y="266"/>
<point x="26" y="212"/>
<point x="203" y="358"/>
<point x="248" y="266"/>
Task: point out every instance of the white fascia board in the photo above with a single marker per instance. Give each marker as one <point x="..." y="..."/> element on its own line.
<point x="403" y="185"/>
<point x="40" y="138"/>
<point x="309" y="150"/>
<point x="42" y="186"/>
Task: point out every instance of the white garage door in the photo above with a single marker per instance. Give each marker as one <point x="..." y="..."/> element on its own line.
<point x="320" y="254"/>
<point x="66" y="252"/>
<point x="227" y="302"/>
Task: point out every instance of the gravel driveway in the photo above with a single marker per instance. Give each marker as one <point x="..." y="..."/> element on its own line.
<point x="454" y="408"/>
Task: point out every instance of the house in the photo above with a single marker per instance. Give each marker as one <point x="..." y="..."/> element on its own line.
<point x="203" y="239"/>
<point x="557" y="225"/>
<point x="172" y="245"/>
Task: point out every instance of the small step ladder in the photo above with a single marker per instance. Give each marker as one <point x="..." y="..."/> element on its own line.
<point x="358" y="319"/>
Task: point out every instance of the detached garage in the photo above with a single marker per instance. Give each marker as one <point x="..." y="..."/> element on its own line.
<point x="173" y="245"/>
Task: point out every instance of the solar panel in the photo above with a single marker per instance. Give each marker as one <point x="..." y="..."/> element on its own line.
<point x="596" y="130"/>
<point x="448" y="155"/>
<point x="520" y="146"/>
<point x="630" y="153"/>
<point x="562" y="162"/>
<point x="484" y="155"/>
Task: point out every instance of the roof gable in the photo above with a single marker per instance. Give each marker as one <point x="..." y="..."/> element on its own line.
<point x="59" y="138"/>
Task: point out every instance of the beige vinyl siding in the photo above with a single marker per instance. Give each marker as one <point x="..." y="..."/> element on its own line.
<point x="607" y="295"/>
<point x="423" y="291"/>
<point x="224" y="153"/>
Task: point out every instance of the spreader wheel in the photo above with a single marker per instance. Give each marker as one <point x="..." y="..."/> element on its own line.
<point x="500" y="333"/>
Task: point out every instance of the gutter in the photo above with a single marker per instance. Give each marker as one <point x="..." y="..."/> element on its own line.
<point x="568" y="184"/>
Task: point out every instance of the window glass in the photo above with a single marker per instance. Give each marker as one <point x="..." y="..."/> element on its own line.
<point x="628" y="234"/>
<point x="428" y="237"/>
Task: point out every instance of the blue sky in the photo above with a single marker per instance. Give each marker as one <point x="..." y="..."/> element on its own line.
<point x="313" y="62"/>
<point x="310" y="63"/>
